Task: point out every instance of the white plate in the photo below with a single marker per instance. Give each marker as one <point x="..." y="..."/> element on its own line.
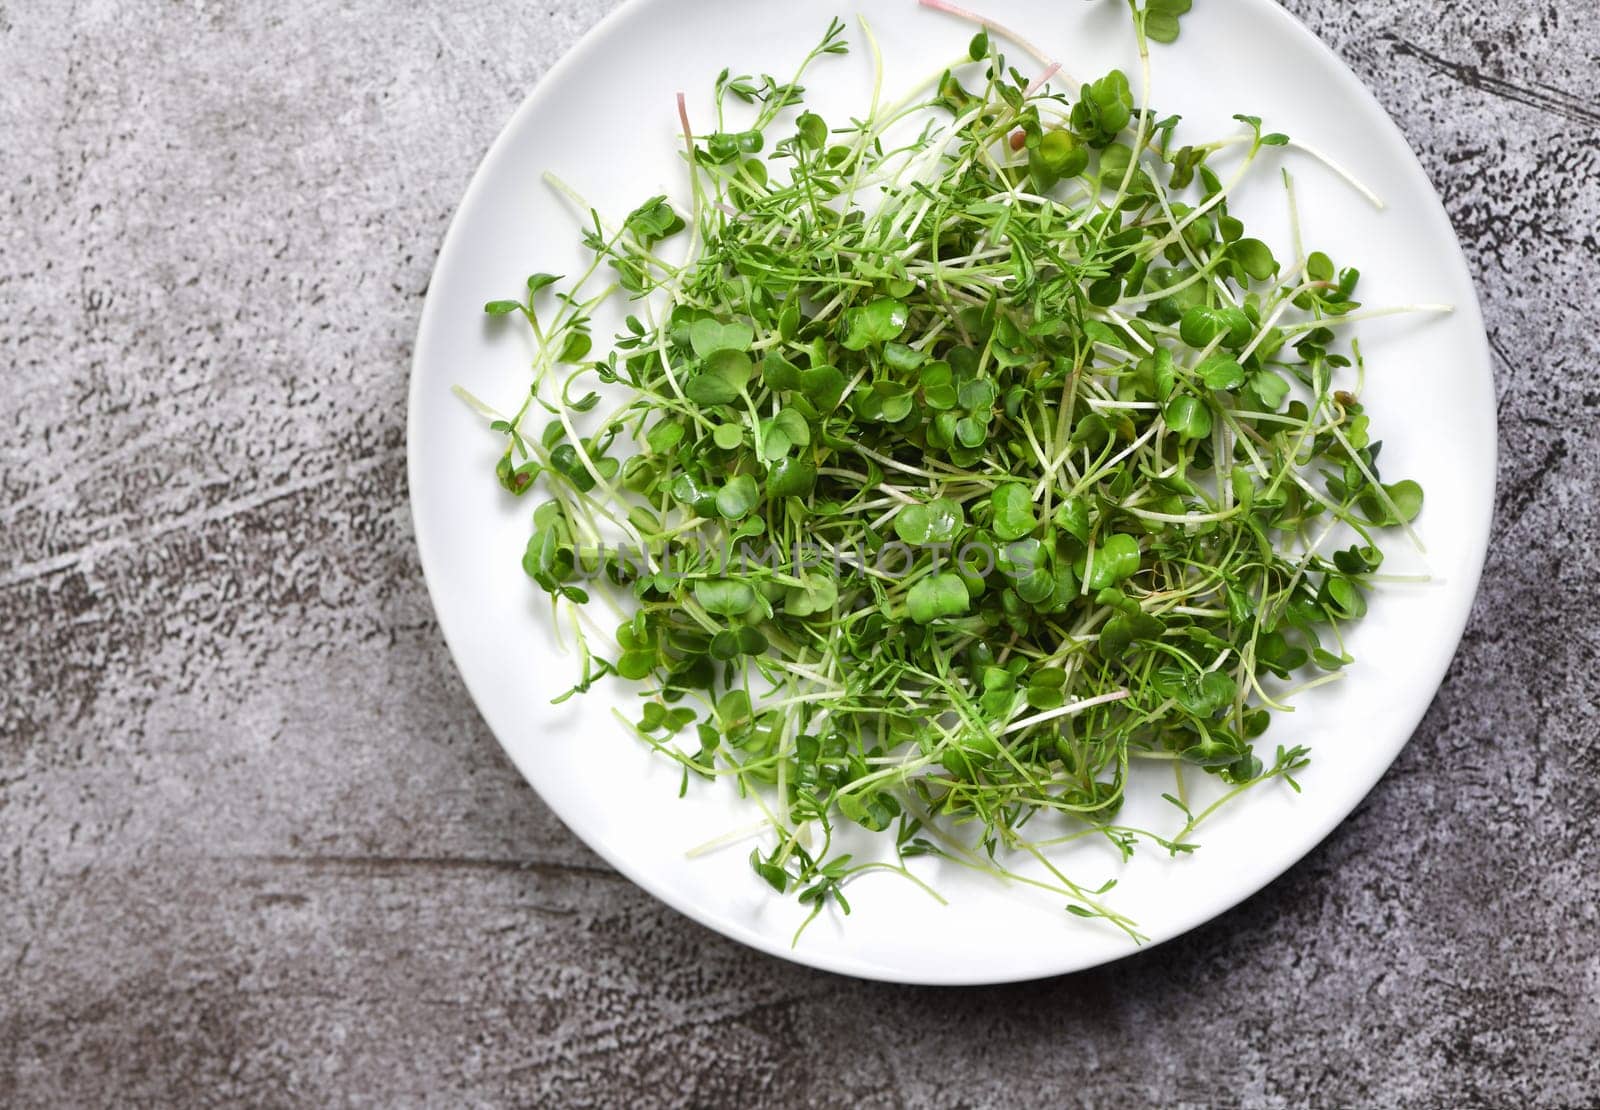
<point x="605" y="120"/>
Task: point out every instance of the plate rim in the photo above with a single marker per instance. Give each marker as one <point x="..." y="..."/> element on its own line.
<point x="1314" y="834"/>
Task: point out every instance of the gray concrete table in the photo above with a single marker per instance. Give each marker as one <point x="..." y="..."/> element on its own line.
<point x="255" y="843"/>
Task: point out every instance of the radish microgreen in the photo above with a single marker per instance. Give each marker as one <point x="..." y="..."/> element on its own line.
<point x="1041" y="448"/>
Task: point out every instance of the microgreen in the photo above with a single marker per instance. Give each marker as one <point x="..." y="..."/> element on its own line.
<point x="1061" y="442"/>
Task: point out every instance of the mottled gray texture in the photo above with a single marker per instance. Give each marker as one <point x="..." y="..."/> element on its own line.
<point x="255" y="842"/>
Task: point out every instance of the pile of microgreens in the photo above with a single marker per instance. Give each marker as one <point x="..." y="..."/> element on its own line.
<point x="1029" y="327"/>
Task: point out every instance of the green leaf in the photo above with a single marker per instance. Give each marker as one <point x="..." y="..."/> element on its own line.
<point x="1061" y="154"/>
<point x="775" y="442"/>
<point x="1161" y="27"/>
<point x="1115" y="559"/>
<point x="516" y="479"/>
<point x="1115" y="160"/>
<point x="1073" y="518"/>
<point x="576" y="347"/>
<point x="971" y="432"/>
<point x="734" y="709"/>
<point x="1013" y="511"/>
<point x="901" y="358"/>
<point x="1200" y="325"/>
<point x="1103" y="109"/>
<point x="790" y="477"/>
<point x="812" y="129"/>
<point x="938" y="386"/>
<point x="653" y="221"/>
<point x="1203" y="695"/>
<point x="1341" y="597"/>
<point x="894" y="404"/>
<point x="817" y="594"/>
<point x="710" y="389"/>
<point x="778" y="372"/>
<point x="1255" y="257"/>
<point x="824" y="386"/>
<point x="1271" y="388"/>
<point x="725" y="597"/>
<point x="775" y="876"/>
<point x="726" y="374"/>
<point x="708" y="336"/>
<point x="1044" y="697"/>
<point x="977" y="395"/>
<point x="1407" y="498"/>
<point x="1221" y="372"/>
<point x="1188" y="417"/>
<point x="1050" y="677"/>
<point x="725" y="645"/>
<point x="793" y="426"/>
<point x="873" y="810"/>
<point x="877" y="322"/>
<point x="1358" y="559"/>
<point x="564" y="460"/>
<point x="941" y="595"/>
<point x="1121" y="632"/>
<point x="911" y="524"/>
<point x="636" y="664"/>
<point x="738" y="497"/>
<point x="937" y="521"/>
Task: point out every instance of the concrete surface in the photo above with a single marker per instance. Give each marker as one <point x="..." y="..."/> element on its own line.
<point x="255" y="843"/>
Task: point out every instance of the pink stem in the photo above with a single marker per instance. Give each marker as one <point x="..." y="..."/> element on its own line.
<point x="984" y="21"/>
<point x="1044" y="78"/>
<point x="683" y="116"/>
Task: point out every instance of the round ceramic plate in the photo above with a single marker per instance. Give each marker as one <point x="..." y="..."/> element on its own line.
<point x="605" y="120"/>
